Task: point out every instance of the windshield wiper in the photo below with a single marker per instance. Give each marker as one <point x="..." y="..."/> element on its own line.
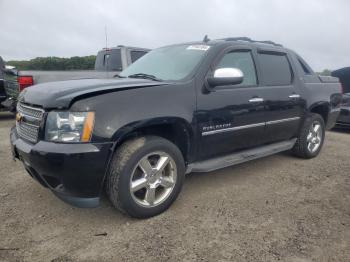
<point x="145" y="76"/>
<point x="118" y="76"/>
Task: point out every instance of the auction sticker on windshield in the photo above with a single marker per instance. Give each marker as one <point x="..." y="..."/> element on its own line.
<point x="198" y="47"/>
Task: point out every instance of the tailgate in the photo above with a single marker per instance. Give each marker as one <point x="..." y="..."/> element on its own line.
<point x="11" y="84"/>
<point x="328" y="79"/>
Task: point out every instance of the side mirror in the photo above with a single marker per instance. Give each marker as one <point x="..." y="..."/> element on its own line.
<point x="226" y="76"/>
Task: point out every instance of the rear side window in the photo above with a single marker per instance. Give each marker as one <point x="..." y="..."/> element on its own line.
<point x="275" y="69"/>
<point x="108" y="60"/>
<point x="304" y="66"/>
<point x="136" y="55"/>
<point x="114" y="61"/>
<point x="242" y="60"/>
<point x="305" y="69"/>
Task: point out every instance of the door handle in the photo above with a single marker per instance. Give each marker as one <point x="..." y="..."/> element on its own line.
<point x="294" y="96"/>
<point x="256" y="100"/>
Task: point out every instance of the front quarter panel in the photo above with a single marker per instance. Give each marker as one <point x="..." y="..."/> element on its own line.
<point x="121" y="112"/>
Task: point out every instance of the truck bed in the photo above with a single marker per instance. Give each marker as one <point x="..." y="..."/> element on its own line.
<point x="52" y="76"/>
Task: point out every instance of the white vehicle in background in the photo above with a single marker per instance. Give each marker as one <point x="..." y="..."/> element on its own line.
<point x="109" y="63"/>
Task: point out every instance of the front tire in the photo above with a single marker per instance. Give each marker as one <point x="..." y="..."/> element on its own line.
<point x="146" y="176"/>
<point x="311" y="137"/>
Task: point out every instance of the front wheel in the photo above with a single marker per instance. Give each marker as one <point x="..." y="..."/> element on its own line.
<point x="146" y="176"/>
<point x="311" y="137"/>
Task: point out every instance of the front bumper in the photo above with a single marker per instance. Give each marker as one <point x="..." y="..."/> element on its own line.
<point x="344" y="117"/>
<point x="73" y="172"/>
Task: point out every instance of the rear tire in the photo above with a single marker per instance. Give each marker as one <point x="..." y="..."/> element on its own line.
<point x="311" y="137"/>
<point x="146" y="176"/>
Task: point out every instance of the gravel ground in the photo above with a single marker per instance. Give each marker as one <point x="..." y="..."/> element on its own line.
<point x="276" y="208"/>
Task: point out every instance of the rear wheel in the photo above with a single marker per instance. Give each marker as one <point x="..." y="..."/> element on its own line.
<point x="146" y="176"/>
<point x="311" y="137"/>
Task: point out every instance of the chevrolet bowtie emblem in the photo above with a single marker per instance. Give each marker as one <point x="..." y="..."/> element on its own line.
<point x="18" y="117"/>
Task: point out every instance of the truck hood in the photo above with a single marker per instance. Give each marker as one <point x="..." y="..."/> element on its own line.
<point x="61" y="94"/>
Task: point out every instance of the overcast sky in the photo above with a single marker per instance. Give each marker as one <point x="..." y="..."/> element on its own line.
<point x="316" y="29"/>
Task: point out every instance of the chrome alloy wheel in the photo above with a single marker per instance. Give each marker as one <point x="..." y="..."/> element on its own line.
<point x="153" y="179"/>
<point x="314" y="138"/>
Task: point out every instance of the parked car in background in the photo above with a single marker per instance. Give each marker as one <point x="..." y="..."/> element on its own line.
<point x="109" y="63"/>
<point x="10" y="89"/>
<point x="193" y="107"/>
<point x="344" y="76"/>
<point x="3" y="95"/>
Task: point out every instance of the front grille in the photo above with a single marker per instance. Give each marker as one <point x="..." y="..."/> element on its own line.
<point x="28" y="124"/>
<point x="29" y="111"/>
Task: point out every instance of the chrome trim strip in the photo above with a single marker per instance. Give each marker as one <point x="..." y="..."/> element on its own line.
<point x="212" y="132"/>
<point x="282" y="120"/>
<point x="31" y="125"/>
<point x="294" y="96"/>
<point x="21" y="107"/>
<point x="32" y="108"/>
<point x="256" y="99"/>
<point x="28" y="116"/>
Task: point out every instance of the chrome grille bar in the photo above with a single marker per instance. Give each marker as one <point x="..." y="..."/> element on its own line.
<point x="29" y="123"/>
<point x="30" y="111"/>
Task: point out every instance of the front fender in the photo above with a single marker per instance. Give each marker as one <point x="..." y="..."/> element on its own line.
<point x="132" y="127"/>
<point x="119" y="113"/>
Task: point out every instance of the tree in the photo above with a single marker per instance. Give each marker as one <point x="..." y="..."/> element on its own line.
<point x="326" y="72"/>
<point x="55" y="63"/>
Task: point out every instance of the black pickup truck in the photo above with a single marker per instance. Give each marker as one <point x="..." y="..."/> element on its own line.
<point x="3" y="94"/>
<point x="193" y="107"/>
<point x="344" y="117"/>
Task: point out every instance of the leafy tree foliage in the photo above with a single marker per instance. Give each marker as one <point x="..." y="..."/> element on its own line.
<point x="56" y="63"/>
<point x="325" y="72"/>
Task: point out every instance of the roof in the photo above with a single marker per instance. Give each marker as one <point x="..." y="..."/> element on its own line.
<point x="247" y="39"/>
<point x="236" y="40"/>
<point x="123" y="46"/>
<point x="240" y="40"/>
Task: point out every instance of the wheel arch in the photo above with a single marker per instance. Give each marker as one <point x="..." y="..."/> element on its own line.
<point x="321" y="108"/>
<point x="175" y="129"/>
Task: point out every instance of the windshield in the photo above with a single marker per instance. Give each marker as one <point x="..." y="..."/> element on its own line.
<point x="168" y="63"/>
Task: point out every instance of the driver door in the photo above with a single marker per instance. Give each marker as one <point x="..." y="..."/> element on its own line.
<point x="231" y="118"/>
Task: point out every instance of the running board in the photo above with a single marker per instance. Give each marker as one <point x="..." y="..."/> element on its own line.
<point x="241" y="157"/>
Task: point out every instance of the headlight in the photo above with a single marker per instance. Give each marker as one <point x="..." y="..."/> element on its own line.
<point x="69" y="126"/>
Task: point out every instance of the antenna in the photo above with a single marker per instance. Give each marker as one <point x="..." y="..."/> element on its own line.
<point x="106" y="36"/>
<point x="106" y="58"/>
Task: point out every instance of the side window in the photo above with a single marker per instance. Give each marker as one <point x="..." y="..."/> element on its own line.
<point x="114" y="60"/>
<point x="136" y="55"/>
<point x="243" y="61"/>
<point x="305" y="67"/>
<point x="275" y="69"/>
<point x="106" y="59"/>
